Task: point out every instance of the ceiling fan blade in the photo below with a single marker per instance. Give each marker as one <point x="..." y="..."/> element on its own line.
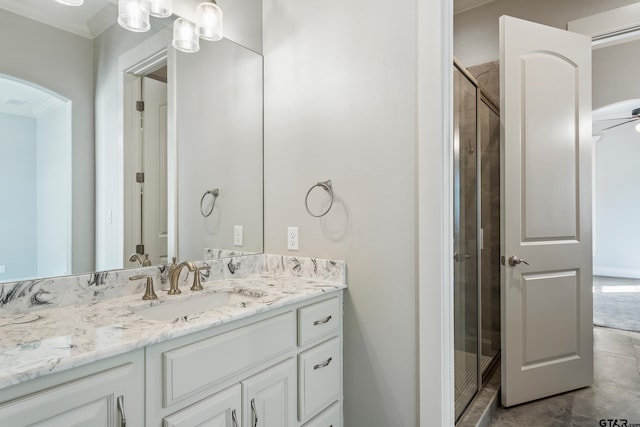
<point x="615" y="118"/>
<point x="620" y="124"/>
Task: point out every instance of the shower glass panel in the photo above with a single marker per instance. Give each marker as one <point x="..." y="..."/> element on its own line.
<point x="489" y="143"/>
<point x="465" y="273"/>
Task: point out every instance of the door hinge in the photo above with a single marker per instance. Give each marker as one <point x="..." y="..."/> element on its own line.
<point x="140" y="106"/>
<point x="140" y="177"/>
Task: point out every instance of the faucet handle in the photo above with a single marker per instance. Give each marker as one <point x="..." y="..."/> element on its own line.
<point x="197" y="285"/>
<point x="146" y="262"/>
<point x="149" y="293"/>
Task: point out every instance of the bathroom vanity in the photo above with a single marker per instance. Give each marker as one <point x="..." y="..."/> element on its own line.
<point x="268" y="355"/>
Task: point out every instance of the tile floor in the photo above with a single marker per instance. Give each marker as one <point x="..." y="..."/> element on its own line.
<point x="615" y="393"/>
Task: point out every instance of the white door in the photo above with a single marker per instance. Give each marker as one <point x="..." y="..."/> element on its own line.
<point x="546" y="306"/>
<point x="154" y="165"/>
<point x="145" y="203"/>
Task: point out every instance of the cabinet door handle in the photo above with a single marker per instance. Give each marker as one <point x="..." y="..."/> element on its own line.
<point x="320" y="322"/>
<point x="234" y="418"/>
<point x="123" y="417"/>
<point x="323" y="365"/>
<point x="254" y="413"/>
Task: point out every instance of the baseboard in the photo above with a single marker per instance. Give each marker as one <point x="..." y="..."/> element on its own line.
<point x="616" y="272"/>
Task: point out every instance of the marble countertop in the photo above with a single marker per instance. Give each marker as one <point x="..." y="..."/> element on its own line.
<point x="37" y="343"/>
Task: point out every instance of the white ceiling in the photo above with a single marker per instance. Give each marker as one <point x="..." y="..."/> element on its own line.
<point x="88" y="20"/>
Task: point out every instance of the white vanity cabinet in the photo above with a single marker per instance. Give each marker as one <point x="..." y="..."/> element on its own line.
<point x="278" y="368"/>
<point x="108" y="393"/>
<point x="284" y="365"/>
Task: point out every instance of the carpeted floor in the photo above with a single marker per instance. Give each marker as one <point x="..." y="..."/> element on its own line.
<point x="616" y="303"/>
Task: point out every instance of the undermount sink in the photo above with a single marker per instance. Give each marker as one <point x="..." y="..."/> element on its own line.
<point x="173" y="310"/>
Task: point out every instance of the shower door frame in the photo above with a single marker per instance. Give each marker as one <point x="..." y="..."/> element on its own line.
<point x="481" y="97"/>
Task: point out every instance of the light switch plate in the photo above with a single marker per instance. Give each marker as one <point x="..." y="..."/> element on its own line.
<point x="2" y="269"/>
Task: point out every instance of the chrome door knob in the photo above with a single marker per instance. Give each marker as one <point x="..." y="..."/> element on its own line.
<point x="514" y="260"/>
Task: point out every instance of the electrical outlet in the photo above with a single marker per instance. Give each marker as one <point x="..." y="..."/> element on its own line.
<point x="109" y="216"/>
<point x="237" y="235"/>
<point x="292" y="238"/>
<point x="2" y="270"/>
<point x="208" y="253"/>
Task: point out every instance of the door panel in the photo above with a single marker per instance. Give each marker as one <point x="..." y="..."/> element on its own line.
<point x="549" y="182"/>
<point x="546" y="305"/>
<point x="550" y="334"/>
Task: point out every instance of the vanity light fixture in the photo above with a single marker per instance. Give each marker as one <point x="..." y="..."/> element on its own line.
<point x="209" y="20"/>
<point x="70" y="2"/>
<point x="132" y="17"/>
<point x="638" y="127"/>
<point x="157" y="8"/>
<point x="185" y="38"/>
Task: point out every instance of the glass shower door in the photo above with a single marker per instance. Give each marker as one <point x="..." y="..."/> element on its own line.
<point x="465" y="273"/>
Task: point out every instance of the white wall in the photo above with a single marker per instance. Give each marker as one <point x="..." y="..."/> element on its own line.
<point x="54" y="192"/>
<point x="219" y="137"/>
<point x="615" y="73"/>
<point x="341" y="104"/>
<point x="62" y="63"/>
<point x="476" y="31"/>
<point x="617" y="203"/>
<point x="18" y="203"/>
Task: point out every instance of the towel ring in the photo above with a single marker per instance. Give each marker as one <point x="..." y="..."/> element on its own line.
<point x="326" y="185"/>
<point x="215" y="192"/>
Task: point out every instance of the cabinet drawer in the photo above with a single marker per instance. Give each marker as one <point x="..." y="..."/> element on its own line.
<point x="318" y="320"/>
<point x="194" y="367"/>
<point x="331" y="417"/>
<point x="319" y="377"/>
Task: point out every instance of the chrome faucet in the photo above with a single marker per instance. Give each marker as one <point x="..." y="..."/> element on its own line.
<point x="136" y="257"/>
<point x="142" y="262"/>
<point x="174" y="275"/>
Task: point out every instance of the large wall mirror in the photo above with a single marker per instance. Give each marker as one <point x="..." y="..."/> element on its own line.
<point x="89" y="176"/>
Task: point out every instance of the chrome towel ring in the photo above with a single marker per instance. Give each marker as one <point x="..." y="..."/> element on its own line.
<point x="215" y="192"/>
<point x="326" y="185"/>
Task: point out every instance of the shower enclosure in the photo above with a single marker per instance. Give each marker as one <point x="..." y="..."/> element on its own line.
<point x="476" y="237"/>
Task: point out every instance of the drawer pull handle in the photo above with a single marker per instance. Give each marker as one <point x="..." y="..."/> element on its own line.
<point x="123" y="417"/>
<point x="254" y="413"/>
<point x="323" y="321"/>
<point x="323" y="365"/>
<point x="234" y="418"/>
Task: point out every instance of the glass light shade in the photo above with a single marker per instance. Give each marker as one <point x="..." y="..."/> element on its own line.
<point x="185" y="38"/>
<point x="638" y="127"/>
<point x="132" y="17"/>
<point x="157" y="8"/>
<point x="209" y="21"/>
<point x="71" y="2"/>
